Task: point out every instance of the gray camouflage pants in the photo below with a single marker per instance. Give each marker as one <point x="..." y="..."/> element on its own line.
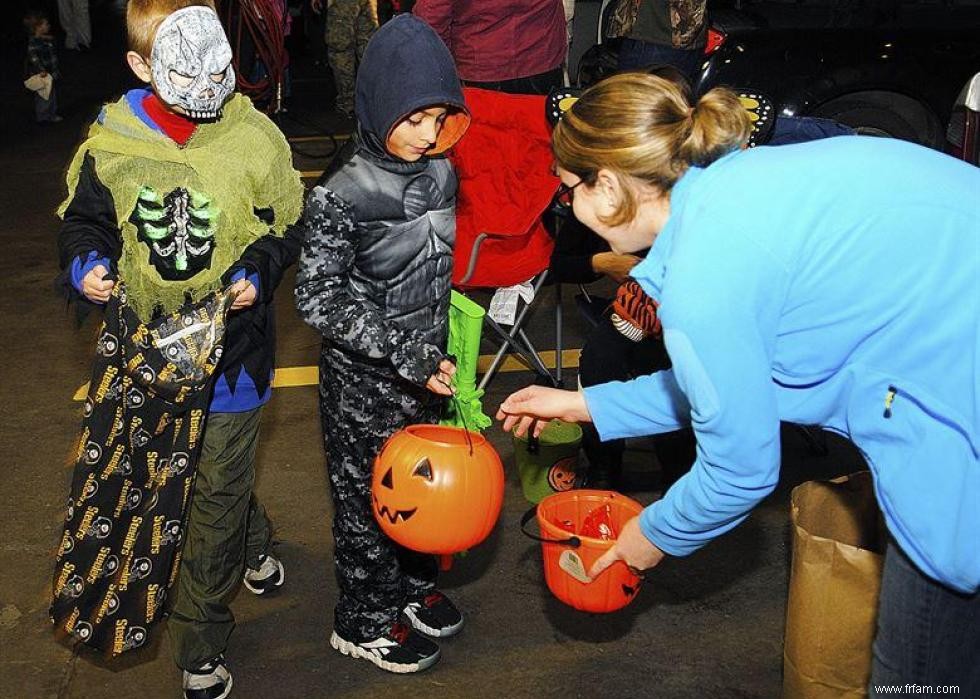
<point x="361" y="405"/>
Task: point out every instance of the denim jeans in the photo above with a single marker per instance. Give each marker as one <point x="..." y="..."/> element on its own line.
<point x="46" y="109"/>
<point x="928" y="635"/>
<point x="788" y="130"/>
<point x="636" y="55"/>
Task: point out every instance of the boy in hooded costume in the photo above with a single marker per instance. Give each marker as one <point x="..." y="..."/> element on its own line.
<point x="374" y="280"/>
<point x="179" y="192"/>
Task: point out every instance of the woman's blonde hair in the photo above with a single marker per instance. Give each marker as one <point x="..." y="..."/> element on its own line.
<point x="143" y="18"/>
<point x="644" y="129"/>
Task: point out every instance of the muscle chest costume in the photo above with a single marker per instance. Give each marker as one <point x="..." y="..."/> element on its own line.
<point x="406" y="230"/>
<point x="374" y="280"/>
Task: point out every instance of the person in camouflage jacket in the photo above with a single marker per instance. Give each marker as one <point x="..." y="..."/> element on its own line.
<point x="661" y="32"/>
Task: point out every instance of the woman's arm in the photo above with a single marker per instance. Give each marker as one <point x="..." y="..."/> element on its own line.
<point x="721" y="307"/>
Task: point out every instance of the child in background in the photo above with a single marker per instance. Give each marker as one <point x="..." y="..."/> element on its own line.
<point x="42" y="60"/>
<point x="374" y="279"/>
<point x="181" y="190"/>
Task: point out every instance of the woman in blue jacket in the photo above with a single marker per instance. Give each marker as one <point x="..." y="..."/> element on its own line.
<point x="833" y="283"/>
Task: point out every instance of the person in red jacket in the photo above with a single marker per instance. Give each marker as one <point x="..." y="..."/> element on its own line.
<point x="516" y="46"/>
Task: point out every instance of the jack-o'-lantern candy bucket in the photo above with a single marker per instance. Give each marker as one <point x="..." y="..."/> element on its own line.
<point x="577" y="527"/>
<point x="549" y="463"/>
<point x="437" y="489"/>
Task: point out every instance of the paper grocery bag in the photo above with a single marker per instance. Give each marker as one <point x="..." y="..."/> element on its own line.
<point x="839" y="540"/>
<point x="41" y="84"/>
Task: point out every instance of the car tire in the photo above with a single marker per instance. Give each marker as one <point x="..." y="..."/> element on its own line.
<point x="600" y="61"/>
<point x="885" y="115"/>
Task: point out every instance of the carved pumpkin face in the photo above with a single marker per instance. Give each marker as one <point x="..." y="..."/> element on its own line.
<point x="432" y="493"/>
<point x="411" y="490"/>
<point x="561" y="475"/>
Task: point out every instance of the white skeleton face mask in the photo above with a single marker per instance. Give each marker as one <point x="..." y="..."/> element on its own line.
<point x="191" y="62"/>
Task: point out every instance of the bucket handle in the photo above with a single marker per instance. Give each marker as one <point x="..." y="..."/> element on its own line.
<point x="533" y="445"/>
<point x="572" y="541"/>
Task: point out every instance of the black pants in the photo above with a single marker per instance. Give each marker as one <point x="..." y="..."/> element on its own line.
<point x="609" y="356"/>
<point x="539" y="84"/>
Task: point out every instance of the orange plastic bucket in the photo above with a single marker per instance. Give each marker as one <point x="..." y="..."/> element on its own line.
<point x="568" y="555"/>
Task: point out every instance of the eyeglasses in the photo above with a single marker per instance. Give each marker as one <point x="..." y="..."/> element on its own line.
<point x="563" y="197"/>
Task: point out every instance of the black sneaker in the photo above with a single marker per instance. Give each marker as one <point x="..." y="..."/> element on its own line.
<point x="400" y="650"/>
<point x="210" y="681"/>
<point x="434" y="615"/>
<point x="269" y="576"/>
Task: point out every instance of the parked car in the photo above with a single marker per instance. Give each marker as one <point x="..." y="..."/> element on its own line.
<point x="963" y="132"/>
<point x="883" y="82"/>
<point x="898" y="81"/>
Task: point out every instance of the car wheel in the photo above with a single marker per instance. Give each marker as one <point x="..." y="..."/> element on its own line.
<point x="600" y="61"/>
<point x="885" y="115"/>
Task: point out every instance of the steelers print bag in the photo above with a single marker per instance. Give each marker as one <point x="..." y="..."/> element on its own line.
<point x="134" y="469"/>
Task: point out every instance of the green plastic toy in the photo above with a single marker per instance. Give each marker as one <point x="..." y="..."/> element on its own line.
<point x="465" y="328"/>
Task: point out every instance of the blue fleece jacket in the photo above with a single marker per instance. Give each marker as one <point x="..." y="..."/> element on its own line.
<point x="833" y="283"/>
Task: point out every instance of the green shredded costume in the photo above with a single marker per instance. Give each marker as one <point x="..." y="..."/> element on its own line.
<point x="132" y="159"/>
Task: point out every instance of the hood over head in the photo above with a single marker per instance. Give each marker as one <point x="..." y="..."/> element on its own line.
<point x="406" y="68"/>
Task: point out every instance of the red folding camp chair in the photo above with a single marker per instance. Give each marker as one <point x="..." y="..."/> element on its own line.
<point x="505" y="184"/>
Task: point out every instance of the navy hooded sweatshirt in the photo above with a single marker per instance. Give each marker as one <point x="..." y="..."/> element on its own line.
<point x="406" y="68"/>
<point x="374" y="276"/>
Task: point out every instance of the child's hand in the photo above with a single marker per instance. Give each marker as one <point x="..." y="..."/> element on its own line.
<point x="614" y="265"/>
<point x="246" y="294"/>
<point x="440" y="382"/>
<point x="94" y="287"/>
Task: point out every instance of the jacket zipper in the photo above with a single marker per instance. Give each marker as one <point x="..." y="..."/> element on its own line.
<point x="889" y="399"/>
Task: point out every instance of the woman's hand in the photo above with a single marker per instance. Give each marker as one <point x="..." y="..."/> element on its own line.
<point x="538" y="402"/>
<point x="440" y="382"/>
<point x="94" y="287"/>
<point x="632" y="548"/>
<point x="246" y="294"/>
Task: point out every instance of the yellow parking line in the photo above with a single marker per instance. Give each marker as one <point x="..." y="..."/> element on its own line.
<point x="290" y="376"/>
<point x="293" y="376"/>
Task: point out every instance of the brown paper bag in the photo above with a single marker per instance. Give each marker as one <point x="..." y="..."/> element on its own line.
<point x="41" y="84"/>
<point x="838" y="545"/>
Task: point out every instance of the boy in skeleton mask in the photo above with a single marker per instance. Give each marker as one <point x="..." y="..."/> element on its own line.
<point x="181" y="190"/>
